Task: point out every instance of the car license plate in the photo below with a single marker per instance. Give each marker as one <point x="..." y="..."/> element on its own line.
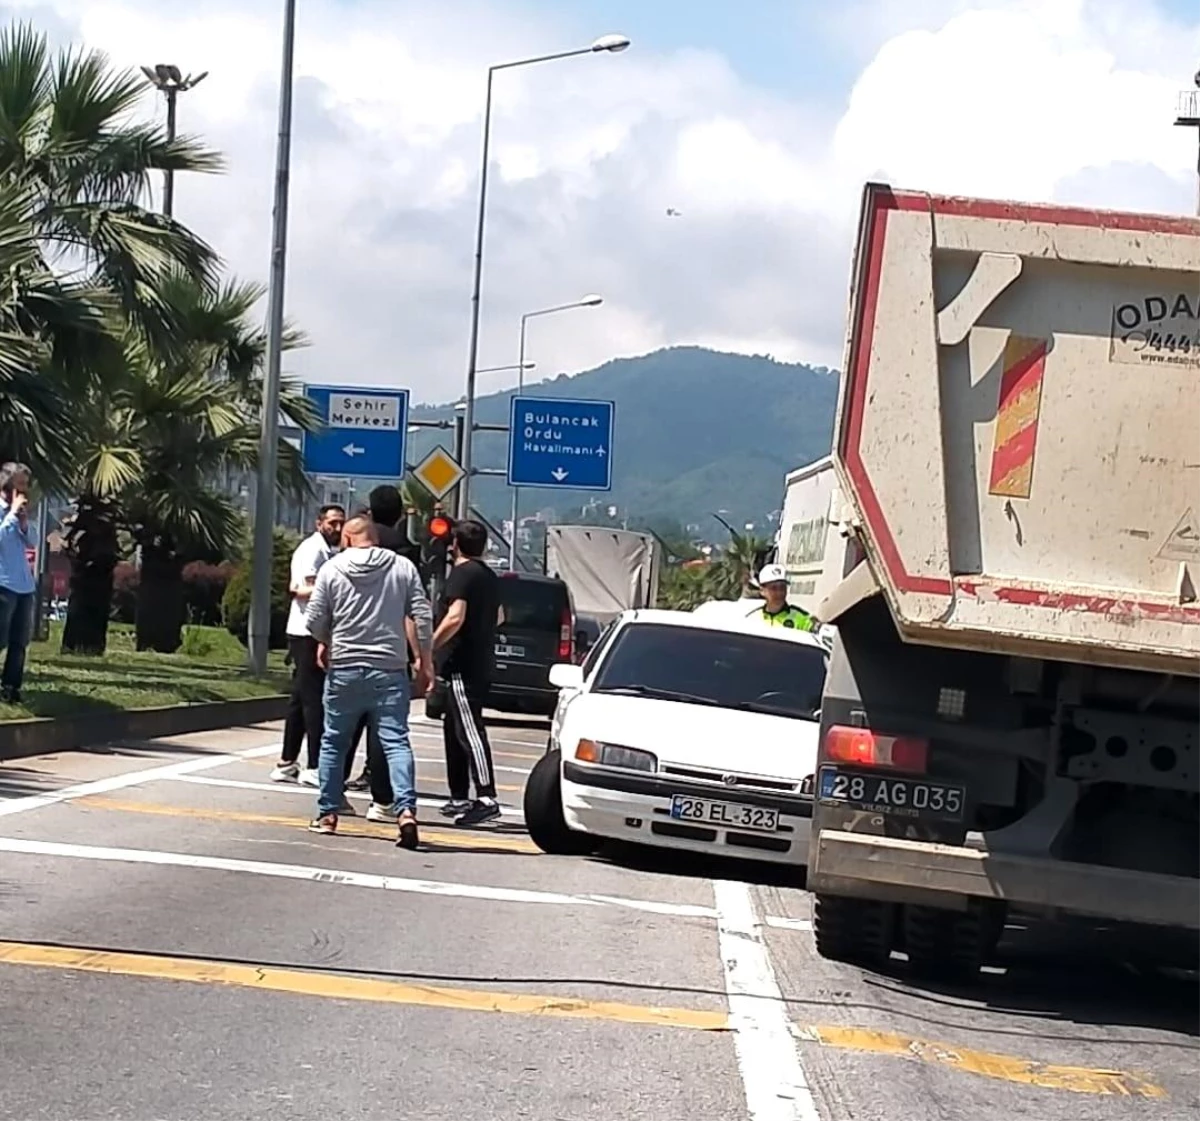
<point x="901" y="797"/>
<point x="728" y="815"/>
<point x="504" y="651"/>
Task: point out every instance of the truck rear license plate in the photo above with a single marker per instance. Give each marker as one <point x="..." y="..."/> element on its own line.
<point x="900" y="797"/>
<point x="727" y="815"/>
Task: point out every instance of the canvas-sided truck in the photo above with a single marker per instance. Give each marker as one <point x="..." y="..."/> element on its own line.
<point x="1010" y="717"/>
<point x="607" y="570"/>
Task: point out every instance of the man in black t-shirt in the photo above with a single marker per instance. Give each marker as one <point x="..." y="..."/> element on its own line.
<point x="464" y="644"/>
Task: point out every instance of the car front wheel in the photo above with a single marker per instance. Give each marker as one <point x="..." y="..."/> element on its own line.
<point x="544" y="813"/>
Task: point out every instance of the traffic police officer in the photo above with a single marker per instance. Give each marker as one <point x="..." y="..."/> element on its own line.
<point x="777" y="612"/>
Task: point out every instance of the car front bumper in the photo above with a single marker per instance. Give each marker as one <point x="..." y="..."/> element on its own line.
<point x="634" y="807"/>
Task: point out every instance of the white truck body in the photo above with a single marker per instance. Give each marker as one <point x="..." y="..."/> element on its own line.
<point x="607" y="570"/>
<point x="816" y="543"/>
<point x="1019" y="427"/>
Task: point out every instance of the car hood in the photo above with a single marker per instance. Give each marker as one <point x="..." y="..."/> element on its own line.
<point x="690" y="735"/>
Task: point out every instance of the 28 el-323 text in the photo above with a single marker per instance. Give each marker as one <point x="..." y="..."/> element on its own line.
<point x="725" y="814"/>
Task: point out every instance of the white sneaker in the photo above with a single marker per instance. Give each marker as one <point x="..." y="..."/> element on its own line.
<point x="286" y="772"/>
<point x="308" y="778"/>
<point x="385" y="814"/>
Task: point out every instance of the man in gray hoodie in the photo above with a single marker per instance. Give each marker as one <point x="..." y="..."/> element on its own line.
<point x="357" y="614"/>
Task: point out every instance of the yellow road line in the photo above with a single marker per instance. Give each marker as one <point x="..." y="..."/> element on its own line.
<point x="348" y="826"/>
<point x="1007" y="1068"/>
<point x="338" y="987"/>
<point x="505" y="789"/>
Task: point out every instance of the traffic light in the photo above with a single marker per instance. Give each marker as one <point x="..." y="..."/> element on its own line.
<point x="435" y="551"/>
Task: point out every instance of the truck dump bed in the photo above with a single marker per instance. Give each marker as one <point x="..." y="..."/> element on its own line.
<point x="1019" y="426"/>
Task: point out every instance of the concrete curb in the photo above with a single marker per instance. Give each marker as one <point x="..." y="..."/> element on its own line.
<point x="20" y="739"/>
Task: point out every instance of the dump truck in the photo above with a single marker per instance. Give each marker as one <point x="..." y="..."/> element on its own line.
<point x="1011" y="712"/>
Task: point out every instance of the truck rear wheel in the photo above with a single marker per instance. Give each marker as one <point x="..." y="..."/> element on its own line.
<point x="950" y="945"/>
<point x="858" y="931"/>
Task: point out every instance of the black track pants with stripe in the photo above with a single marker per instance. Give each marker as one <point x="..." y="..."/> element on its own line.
<point x="468" y="753"/>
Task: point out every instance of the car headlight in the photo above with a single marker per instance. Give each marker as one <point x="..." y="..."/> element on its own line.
<point x="613" y="755"/>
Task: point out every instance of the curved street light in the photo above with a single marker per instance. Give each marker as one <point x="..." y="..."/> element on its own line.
<point x="606" y="44"/>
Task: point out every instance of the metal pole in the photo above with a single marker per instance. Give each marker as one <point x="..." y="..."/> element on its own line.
<point x="169" y="175"/>
<point x="464" y="488"/>
<point x="268" y="451"/>
<point x="512" y="537"/>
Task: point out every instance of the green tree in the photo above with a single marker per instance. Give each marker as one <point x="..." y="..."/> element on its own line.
<point x="87" y="266"/>
<point x="171" y="426"/>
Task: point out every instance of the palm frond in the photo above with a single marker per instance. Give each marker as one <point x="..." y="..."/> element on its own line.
<point x="24" y="93"/>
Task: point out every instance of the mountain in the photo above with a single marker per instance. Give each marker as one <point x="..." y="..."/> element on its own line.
<point x="696" y="431"/>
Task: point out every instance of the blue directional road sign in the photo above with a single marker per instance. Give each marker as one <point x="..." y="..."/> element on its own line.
<point x="365" y="433"/>
<point x="560" y="443"/>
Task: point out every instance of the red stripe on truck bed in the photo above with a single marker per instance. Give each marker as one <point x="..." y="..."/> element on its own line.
<point x="880" y="201"/>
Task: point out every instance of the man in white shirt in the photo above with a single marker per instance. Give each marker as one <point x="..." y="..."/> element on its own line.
<point x="306" y="712"/>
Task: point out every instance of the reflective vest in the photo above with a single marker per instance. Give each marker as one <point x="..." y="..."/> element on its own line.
<point x="794" y="618"/>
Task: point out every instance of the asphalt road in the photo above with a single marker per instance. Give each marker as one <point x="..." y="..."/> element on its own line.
<point x="175" y="944"/>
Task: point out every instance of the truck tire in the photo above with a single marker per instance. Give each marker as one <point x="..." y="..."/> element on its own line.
<point x="857" y="931"/>
<point x="947" y="945"/>
<point x="543" y="811"/>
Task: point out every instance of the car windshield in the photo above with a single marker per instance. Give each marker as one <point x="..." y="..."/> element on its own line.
<point x="725" y="669"/>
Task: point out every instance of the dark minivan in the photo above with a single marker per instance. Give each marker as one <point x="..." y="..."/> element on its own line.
<point x="535" y="628"/>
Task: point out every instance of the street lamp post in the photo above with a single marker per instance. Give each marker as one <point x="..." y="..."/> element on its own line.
<point x="587" y="301"/>
<point x="605" y="44"/>
<point x="1189" y="117"/>
<point x="268" y="448"/>
<point x="170" y="82"/>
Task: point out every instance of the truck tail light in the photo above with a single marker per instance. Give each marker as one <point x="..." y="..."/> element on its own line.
<point x="566" y="638"/>
<point x="860" y="747"/>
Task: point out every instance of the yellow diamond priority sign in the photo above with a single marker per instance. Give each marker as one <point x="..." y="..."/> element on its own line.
<point x="439" y="472"/>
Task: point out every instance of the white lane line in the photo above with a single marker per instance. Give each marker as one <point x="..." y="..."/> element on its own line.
<point x="293" y="788"/>
<point x="349" y="879"/>
<point x="130" y="778"/>
<point x="783" y="923"/>
<point x="774" y="1081"/>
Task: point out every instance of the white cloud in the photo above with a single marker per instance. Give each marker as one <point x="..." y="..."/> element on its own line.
<point x="1030" y="99"/>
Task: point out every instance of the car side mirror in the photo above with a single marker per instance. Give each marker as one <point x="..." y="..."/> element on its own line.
<point x="566" y="675"/>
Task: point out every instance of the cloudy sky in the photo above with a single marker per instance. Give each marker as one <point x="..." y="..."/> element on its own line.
<point x="757" y="121"/>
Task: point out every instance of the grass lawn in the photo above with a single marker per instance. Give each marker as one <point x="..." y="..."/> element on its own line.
<point x="209" y="667"/>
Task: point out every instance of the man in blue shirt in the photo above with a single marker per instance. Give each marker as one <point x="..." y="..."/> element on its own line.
<point x="16" y="578"/>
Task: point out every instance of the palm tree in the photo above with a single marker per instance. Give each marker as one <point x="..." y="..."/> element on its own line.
<point x="67" y="137"/>
<point x="739" y="563"/>
<point x="170" y="428"/>
<point x="86" y="265"/>
<point x="48" y="324"/>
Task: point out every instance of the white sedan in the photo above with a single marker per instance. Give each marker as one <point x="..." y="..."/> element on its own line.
<point x="683" y="731"/>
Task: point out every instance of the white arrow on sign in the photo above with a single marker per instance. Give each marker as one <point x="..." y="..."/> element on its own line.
<point x="353" y="449"/>
<point x="558" y="474"/>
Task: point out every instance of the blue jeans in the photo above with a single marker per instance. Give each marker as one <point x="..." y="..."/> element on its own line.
<point x="16" y="629"/>
<point x="383" y="697"/>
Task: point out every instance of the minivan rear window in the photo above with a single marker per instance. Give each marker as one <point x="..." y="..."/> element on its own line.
<point x="531" y="605"/>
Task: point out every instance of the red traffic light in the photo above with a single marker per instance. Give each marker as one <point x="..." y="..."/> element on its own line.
<point x="440" y="526"/>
